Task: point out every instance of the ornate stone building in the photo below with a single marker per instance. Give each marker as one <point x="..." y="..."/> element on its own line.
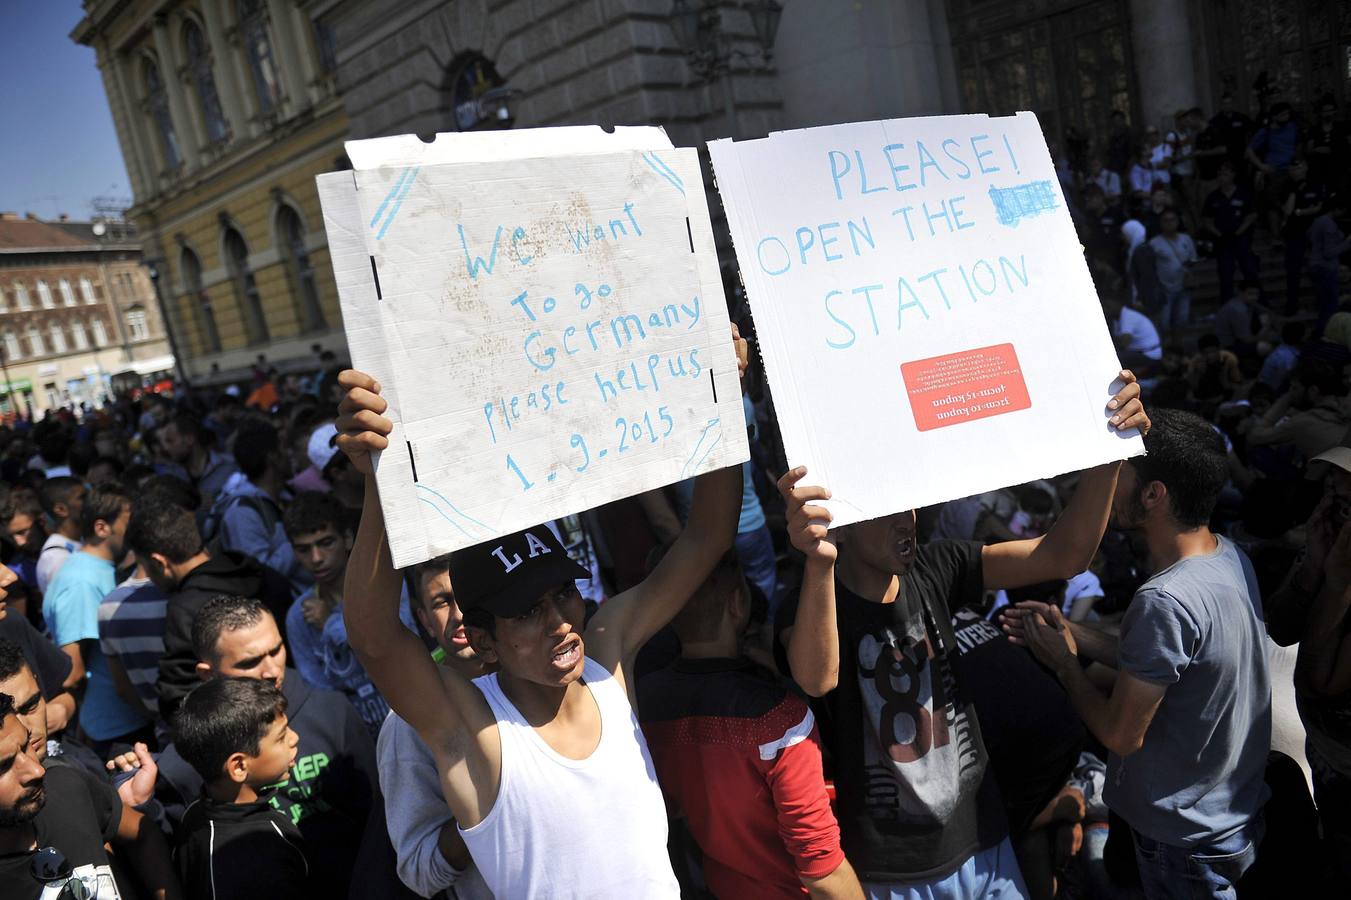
<point x="226" y="110"/>
<point x="77" y="309"/>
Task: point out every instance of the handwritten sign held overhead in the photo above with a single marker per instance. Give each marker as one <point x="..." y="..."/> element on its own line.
<point x="544" y="312"/>
<point x="928" y="324"/>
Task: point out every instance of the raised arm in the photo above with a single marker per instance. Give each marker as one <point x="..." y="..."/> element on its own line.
<point x="1068" y="548"/>
<point x="813" y="640"/>
<point x="625" y="622"/>
<point x="395" y="659"/>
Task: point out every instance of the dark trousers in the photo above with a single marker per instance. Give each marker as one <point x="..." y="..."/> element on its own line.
<point x="1234" y="251"/>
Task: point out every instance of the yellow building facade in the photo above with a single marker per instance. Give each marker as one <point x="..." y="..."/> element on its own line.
<point x="226" y="110"/>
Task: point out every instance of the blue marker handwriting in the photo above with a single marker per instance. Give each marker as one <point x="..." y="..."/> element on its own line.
<point x="629" y="433"/>
<point x="482" y="255"/>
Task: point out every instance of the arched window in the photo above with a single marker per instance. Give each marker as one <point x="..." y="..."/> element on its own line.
<point x="291" y="233"/>
<point x="246" y="289"/>
<point x="87" y="291"/>
<point x="199" y="63"/>
<point x="200" y="301"/>
<point x="13" y="349"/>
<point x="77" y="332"/>
<point x="100" y="332"/>
<point x="21" y="295"/>
<point x="67" y="295"/>
<point x="258" y="49"/>
<point x="58" y="337"/>
<point x="35" y="341"/>
<point x="45" y="295"/>
<point x="157" y="104"/>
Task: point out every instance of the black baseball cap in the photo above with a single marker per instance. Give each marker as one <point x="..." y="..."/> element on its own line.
<point x="506" y="576"/>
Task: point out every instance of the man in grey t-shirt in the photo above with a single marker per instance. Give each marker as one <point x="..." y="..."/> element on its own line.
<point x="1188" y="722"/>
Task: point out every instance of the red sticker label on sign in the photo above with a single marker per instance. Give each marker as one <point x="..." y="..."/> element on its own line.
<point x="962" y="387"/>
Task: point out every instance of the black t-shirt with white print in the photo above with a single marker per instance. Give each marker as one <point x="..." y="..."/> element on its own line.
<point x="914" y="794"/>
<point x="81" y="814"/>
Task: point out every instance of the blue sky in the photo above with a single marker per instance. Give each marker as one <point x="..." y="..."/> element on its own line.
<point x="58" y="148"/>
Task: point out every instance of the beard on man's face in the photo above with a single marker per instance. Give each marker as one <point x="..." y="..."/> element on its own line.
<point x="24" y="811"/>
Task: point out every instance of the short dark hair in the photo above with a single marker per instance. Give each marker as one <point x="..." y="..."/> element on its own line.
<point x="6" y="708"/>
<point x="104" y="504"/>
<point x="222" y="613"/>
<point x="224" y="716"/>
<point x="12" y="659"/>
<point x="1207" y="341"/>
<point x="189" y="425"/>
<point x="170" y="488"/>
<point x="700" y="617"/>
<point x="57" y="490"/>
<point x="416" y="574"/>
<point x="159" y="525"/>
<point x="255" y="442"/>
<point x="80" y="457"/>
<point x="55" y="446"/>
<point x="313" y="511"/>
<point x="1188" y="455"/>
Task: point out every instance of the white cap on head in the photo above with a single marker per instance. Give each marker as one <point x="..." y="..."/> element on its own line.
<point x="321" y="448"/>
<point x="1337" y="456"/>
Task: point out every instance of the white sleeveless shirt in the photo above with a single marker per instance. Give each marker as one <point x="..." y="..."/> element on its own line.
<point x="589" y="828"/>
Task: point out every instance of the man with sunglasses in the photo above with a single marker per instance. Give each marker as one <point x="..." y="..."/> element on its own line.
<point x="54" y="824"/>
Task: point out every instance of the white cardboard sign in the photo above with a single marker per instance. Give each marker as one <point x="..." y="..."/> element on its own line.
<point x="544" y="312"/>
<point x="928" y="323"/>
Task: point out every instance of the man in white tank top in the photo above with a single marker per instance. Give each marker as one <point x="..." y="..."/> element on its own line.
<point x="542" y="763"/>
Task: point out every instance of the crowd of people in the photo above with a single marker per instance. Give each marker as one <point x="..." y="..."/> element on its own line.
<point x="1125" y="682"/>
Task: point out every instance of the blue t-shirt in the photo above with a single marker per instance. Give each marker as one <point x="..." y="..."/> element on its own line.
<point x="71" y="610"/>
<point x="1196" y="628"/>
<point x="326" y="661"/>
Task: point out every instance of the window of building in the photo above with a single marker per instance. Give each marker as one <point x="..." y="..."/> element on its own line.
<point x="21" y="296"/>
<point x="301" y="274"/>
<point x="13" y="349"/>
<point x="35" y="342"/>
<point x="58" y="337"/>
<point x="258" y="49"/>
<point x="200" y="301"/>
<point x="79" y="335"/>
<point x="157" y="105"/>
<point x="67" y="295"/>
<point x="4" y="301"/>
<point x="45" y="295"/>
<point x="246" y="289"/>
<point x="199" y="63"/>
<point x="87" y="291"/>
<point x="136" y="324"/>
<point x="100" y="332"/>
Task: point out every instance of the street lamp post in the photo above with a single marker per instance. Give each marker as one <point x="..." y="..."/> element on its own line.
<point x="154" y="273"/>
<point x="711" y="50"/>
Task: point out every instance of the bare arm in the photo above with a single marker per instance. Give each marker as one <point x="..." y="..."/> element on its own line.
<point x="1091" y="643"/>
<point x="77" y="670"/>
<point x="392" y="656"/>
<point x="143" y="842"/>
<point x="842" y="884"/>
<point x="60" y="712"/>
<point x="626" y="622"/>
<point x="1119" y="721"/>
<point x="813" y="642"/>
<point x="1068" y="548"/>
<point x="1064" y="551"/>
